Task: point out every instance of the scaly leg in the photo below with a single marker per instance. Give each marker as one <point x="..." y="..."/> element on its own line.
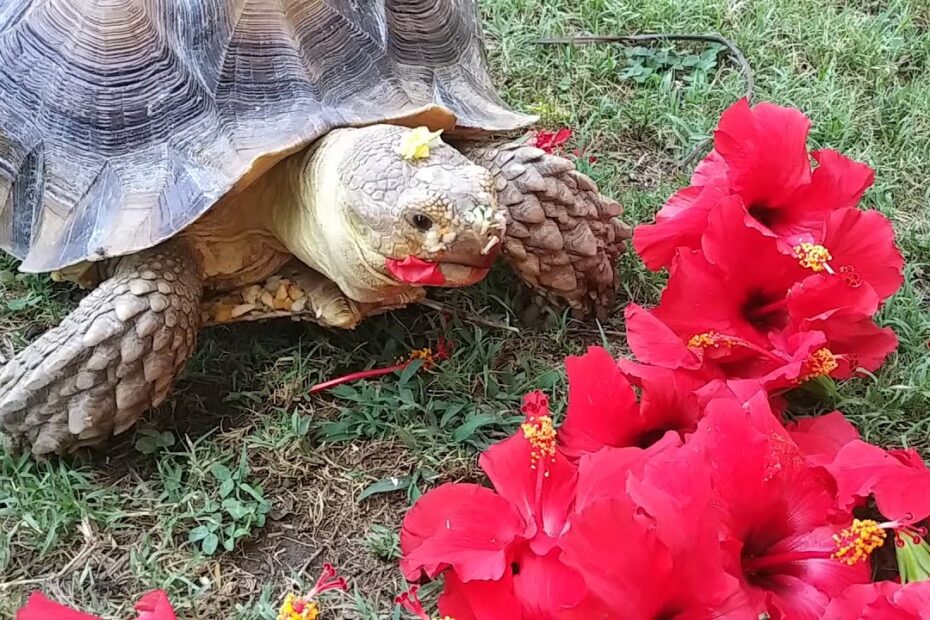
<point x="298" y="292"/>
<point x="112" y="358"/>
<point x="563" y="237"/>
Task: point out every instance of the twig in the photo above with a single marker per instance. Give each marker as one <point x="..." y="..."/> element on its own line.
<point x="734" y="52"/>
<point x="468" y="316"/>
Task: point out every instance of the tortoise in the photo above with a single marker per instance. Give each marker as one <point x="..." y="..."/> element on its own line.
<point x="206" y="162"/>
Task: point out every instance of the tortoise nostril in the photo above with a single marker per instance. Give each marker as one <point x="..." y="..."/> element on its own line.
<point x="421" y="222"/>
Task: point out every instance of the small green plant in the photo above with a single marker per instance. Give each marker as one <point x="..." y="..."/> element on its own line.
<point x="241" y="508"/>
<point x="150" y="441"/>
<point x="667" y="64"/>
<point x="383" y="542"/>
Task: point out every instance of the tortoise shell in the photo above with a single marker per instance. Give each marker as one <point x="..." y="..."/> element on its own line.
<point x="123" y="121"/>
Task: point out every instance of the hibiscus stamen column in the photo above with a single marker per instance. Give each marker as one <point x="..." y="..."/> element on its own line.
<point x="539" y="430"/>
<point x="821" y="363"/>
<point x="814" y="257"/>
<point x="857" y="542"/>
<point x="853" y="545"/>
<point x="817" y="258"/>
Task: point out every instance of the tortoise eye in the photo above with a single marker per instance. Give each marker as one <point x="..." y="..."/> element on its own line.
<point x="421" y="222"/>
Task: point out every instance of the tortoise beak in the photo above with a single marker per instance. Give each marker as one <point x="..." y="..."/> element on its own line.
<point x="477" y="246"/>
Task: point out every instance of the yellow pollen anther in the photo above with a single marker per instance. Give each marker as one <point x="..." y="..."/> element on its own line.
<point x="541" y="434"/>
<point x="813" y="257"/>
<point x="820" y="364"/>
<point x="416" y="142"/>
<point x="857" y="542"/>
<point x="296" y="608"/>
<point x="421" y="354"/>
<point x="709" y="340"/>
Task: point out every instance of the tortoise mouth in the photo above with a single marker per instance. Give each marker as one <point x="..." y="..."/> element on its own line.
<point x="420" y="272"/>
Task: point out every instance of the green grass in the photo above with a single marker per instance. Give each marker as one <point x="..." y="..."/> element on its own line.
<point x="244" y="454"/>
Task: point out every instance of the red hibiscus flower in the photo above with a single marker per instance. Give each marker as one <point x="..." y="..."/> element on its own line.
<point x="761" y="160"/>
<point x="551" y="141"/>
<point x="729" y="362"/>
<point x="884" y="600"/>
<point x="645" y="537"/>
<point x="737" y="284"/>
<point x="778" y="512"/>
<point x="152" y="606"/>
<point x="603" y="410"/>
<point x="500" y="550"/>
<point x="742" y="303"/>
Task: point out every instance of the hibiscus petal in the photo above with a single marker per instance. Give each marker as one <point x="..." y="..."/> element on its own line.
<point x="819" y="297"/>
<point x="667" y="402"/>
<point x="765" y="148"/>
<point x="679" y="224"/>
<point x="701" y="297"/>
<point x="154" y="605"/>
<point x="479" y="599"/>
<point x="628" y="566"/>
<point x="796" y="349"/>
<point x="413" y="270"/>
<point x="621" y="560"/>
<point x="39" y="607"/>
<point x="545" y="586"/>
<point x="767" y="490"/>
<point x="654" y="343"/>
<point x="602" y="409"/>
<point x="465" y="526"/>
<point x="914" y="598"/>
<point x="837" y="183"/>
<point x="745" y="253"/>
<point x="711" y="170"/>
<point x="803" y="588"/>
<point x="541" y="493"/>
<point x="883" y="600"/>
<point x="821" y="437"/>
<point x="899" y="488"/>
<point x="603" y="475"/>
<point x="864" y="240"/>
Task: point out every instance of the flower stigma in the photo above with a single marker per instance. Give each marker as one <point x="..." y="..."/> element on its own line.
<point x="857" y="542"/>
<point x="912" y="553"/>
<point x="814" y="257"/>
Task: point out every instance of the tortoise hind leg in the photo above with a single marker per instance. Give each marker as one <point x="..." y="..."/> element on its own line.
<point x="113" y="357"/>
<point x="563" y="237"/>
<point x="300" y="293"/>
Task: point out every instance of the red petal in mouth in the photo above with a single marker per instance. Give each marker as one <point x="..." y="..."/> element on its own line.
<point x="413" y="270"/>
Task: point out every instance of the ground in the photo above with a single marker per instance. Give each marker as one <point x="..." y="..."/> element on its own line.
<point x="269" y="482"/>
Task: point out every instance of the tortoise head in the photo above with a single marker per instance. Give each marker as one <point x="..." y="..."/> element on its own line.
<point x="398" y="212"/>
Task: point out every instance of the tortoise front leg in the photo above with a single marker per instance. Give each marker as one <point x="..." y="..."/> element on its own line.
<point x="113" y="357"/>
<point x="298" y="292"/>
<point x="563" y="237"/>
